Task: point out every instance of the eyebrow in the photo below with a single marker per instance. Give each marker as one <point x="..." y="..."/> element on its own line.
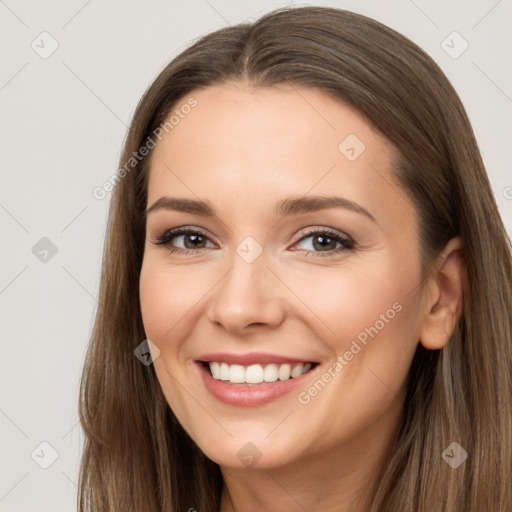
<point x="286" y="207"/>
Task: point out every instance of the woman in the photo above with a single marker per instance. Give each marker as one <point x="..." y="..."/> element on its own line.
<point x="306" y="287"/>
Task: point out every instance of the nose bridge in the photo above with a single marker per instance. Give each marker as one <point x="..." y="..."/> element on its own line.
<point x="247" y="292"/>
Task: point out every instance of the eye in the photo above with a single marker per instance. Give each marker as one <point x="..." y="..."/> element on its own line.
<point x="323" y="242"/>
<point x="193" y="240"/>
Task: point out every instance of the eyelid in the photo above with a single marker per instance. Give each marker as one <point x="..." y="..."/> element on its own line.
<point x="325" y="230"/>
<point x="346" y="241"/>
<point x="180" y="231"/>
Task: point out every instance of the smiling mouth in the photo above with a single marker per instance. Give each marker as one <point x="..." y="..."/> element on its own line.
<point x="256" y="374"/>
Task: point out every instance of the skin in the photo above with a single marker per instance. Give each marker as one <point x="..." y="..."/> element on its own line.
<point x="243" y="150"/>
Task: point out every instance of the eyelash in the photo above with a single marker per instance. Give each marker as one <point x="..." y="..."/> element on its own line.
<point x="346" y="242"/>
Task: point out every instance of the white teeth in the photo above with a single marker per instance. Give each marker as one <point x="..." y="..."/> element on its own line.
<point x="236" y="373"/>
<point x="257" y="373"/>
<point x="223" y="371"/>
<point x="284" y="372"/>
<point x="215" y="369"/>
<point x="296" y="371"/>
<point x="270" y="373"/>
<point x="254" y="374"/>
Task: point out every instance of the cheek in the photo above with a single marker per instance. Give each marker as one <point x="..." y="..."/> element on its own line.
<point x="166" y="296"/>
<point x="355" y="303"/>
<point x="373" y="328"/>
<point x="156" y="304"/>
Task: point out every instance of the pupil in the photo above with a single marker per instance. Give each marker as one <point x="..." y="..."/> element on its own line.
<point x="194" y="238"/>
<point x="322" y="239"/>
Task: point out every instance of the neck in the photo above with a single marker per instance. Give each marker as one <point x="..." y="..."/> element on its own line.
<point x="342" y="479"/>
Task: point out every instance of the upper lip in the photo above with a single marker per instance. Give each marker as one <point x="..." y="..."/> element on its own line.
<point x="250" y="358"/>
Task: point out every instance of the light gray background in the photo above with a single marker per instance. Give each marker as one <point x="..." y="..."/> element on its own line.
<point x="63" y="121"/>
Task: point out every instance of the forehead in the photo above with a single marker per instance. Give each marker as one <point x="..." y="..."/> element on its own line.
<point x="258" y="145"/>
<point x="277" y="120"/>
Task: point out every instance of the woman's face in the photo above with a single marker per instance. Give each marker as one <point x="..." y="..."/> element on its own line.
<point x="299" y="267"/>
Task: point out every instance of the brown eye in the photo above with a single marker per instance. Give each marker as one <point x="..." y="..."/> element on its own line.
<point x="195" y="240"/>
<point x="191" y="240"/>
<point x="327" y="242"/>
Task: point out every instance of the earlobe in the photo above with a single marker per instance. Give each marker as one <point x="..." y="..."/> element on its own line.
<point x="443" y="307"/>
<point x="437" y="329"/>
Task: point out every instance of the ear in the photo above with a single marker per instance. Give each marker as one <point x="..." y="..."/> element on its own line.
<point x="443" y="297"/>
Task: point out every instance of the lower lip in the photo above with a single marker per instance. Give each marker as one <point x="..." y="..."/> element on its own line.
<point x="244" y="395"/>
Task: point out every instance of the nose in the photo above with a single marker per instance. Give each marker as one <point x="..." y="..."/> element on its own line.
<point x="249" y="296"/>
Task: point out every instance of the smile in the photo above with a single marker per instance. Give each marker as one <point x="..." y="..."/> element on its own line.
<point x="256" y="373"/>
<point x="252" y="379"/>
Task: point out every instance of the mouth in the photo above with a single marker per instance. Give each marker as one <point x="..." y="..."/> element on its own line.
<point x="240" y="381"/>
<point x="256" y="374"/>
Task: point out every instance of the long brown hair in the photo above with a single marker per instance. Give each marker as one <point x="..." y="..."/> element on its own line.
<point x="137" y="456"/>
